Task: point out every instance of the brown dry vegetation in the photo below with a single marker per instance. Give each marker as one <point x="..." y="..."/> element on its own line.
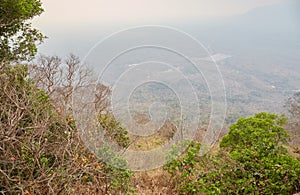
<point x="40" y="147"/>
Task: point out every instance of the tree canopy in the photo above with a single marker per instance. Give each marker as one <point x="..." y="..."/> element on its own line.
<point x="262" y="132"/>
<point x="18" y="39"/>
<point x="251" y="160"/>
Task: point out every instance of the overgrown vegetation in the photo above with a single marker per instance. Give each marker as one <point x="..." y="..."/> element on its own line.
<point x="40" y="147"/>
<point x="252" y="159"/>
<point x="18" y="39"/>
<point x="114" y="130"/>
<point x="41" y="151"/>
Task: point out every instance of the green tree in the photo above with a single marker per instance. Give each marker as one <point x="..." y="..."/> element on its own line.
<point x="264" y="132"/>
<point x="18" y="39"/>
<point x="251" y="160"/>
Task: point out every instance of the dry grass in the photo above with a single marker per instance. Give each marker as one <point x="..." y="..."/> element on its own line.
<point x="153" y="182"/>
<point x="144" y="143"/>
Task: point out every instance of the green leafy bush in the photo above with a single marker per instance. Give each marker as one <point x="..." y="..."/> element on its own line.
<point x="18" y="39"/>
<point x="264" y="133"/>
<point x="251" y="160"/>
<point x="183" y="168"/>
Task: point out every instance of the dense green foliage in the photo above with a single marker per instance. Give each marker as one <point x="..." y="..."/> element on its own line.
<point x="17" y="37"/>
<point x="252" y="160"/>
<point x="262" y="133"/>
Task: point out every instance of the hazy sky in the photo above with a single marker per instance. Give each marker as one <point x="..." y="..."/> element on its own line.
<point x="62" y="12"/>
<point x="74" y="26"/>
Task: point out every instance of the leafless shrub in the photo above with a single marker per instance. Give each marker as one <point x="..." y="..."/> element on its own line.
<point x="61" y="78"/>
<point x="40" y="148"/>
<point x="293" y="107"/>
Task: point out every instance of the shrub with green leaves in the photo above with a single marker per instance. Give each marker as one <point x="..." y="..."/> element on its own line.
<point x="18" y="38"/>
<point x="256" y="144"/>
<point x="251" y="160"/>
<point x="263" y="133"/>
<point x="114" y="130"/>
<point x="183" y="168"/>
